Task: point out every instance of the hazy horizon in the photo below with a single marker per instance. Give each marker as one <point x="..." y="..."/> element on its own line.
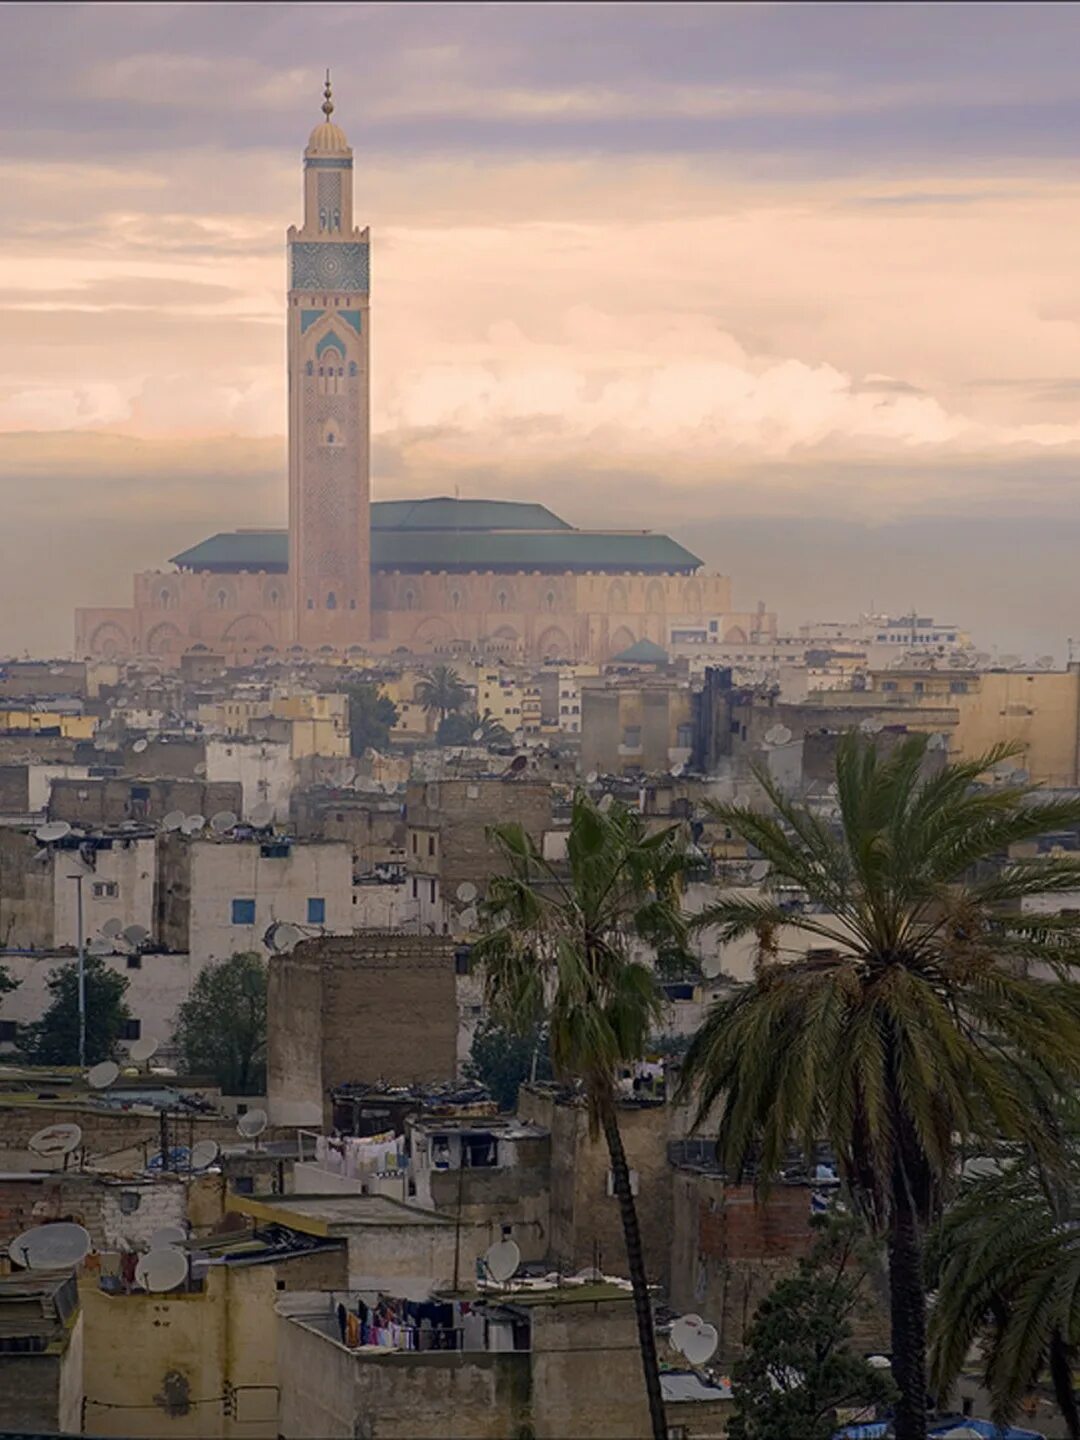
<point x="796" y="284"/>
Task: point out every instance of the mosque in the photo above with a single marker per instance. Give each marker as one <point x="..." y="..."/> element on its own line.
<point x="491" y="578"/>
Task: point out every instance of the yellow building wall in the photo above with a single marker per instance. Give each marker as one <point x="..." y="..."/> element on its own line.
<point x="1037" y="710"/>
<point x="72" y="727"/>
<point x="322" y="736"/>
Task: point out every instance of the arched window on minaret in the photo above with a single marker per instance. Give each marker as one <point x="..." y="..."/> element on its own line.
<point x="331" y="601"/>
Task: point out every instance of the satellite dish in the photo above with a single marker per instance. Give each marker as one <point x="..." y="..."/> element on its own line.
<point x="871" y="726"/>
<point x="682" y="1328"/>
<point x="140" y="746"/>
<point x="59" y="1139"/>
<point x="466" y="892"/>
<point x="502" y="1259"/>
<point x="193" y="824"/>
<point x="478" y="733"/>
<point x="162" y="1269"/>
<point x="517" y="765"/>
<point x="173" y="820"/>
<point x="677" y="770"/>
<point x="143" y="1049"/>
<point x="52" y="830"/>
<point x="251" y="1124"/>
<point x="136" y="934"/>
<point x="605" y="803"/>
<point x="592" y="777"/>
<point x="203" y="1154"/>
<point x="100" y="947"/>
<point x="101" y="1076"/>
<point x="589" y="1274"/>
<point x="112" y="927"/>
<point x="200" y="769"/>
<point x="262" y="815"/>
<point x="282" y="936"/>
<point x="222" y="822"/>
<point x="50" y="1247"/>
<point x="759" y="870"/>
<point x="168" y="1235"/>
<point x="700" y="1345"/>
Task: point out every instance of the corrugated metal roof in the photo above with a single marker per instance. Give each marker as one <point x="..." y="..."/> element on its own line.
<point x="443" y="512"/>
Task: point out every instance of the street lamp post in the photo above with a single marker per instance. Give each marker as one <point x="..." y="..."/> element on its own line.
<point x="82" y="970"/>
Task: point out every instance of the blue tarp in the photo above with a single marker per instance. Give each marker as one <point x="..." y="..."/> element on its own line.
<point x="986" y="1428"/>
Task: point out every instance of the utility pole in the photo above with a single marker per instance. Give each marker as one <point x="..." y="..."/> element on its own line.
<point x="82" y="970"/>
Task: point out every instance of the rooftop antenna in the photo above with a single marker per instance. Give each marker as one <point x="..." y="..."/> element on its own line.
<point x="51" y="1247"/>
<point x="52" y="831"/>
<point x="222" y="821"/>
<point x="193" y="824"/>
<point x="143" y="1049"/>
<point x="174" y="820"/>
<point x="282" y="936"/>
<point x="203" y="1154"/>
<point x="55" y="1140"/>
<point x="102" y="1075"/>
<point x="262" y="816"/>
<point x="328" y="101"/>
<point x="252" y="1124"/>
<point x="692" y="1337"/>
<point x="162" y="1269"/>
<point x="501" y="1260"/>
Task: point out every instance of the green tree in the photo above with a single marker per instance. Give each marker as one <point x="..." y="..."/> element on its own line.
<point x="442" y="692"/>
<point x="559" y="948"/>
<point x="502" y="1060"/>
<point x="906" y="1021"/>
<point x="221" y="1028"/>
<point x="1005" y="1264"/>
<point x="469" y="728"/>
<point x="798" y="1367"/>
<point x="54" y="1039"/>
<point x="372" y="715"/>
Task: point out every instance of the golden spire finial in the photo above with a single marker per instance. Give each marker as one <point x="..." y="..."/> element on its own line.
<point x="328" y="103"/>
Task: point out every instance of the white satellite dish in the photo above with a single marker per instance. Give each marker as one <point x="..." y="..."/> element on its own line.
<point x="203" y="1154"/>
<point x="200" y="769"/>
<point x="478" y="733"/>
<point x="677" y="770"/>
<point x="100" y="946"/>
<point x="502" y="1259"/>
<point x="700" y="1345"/>
<point x="52" y="830"/>
<point x="262" y="815"/>
<point x="466" y="892"/>
<point x="140" y="746"/>
<point x="50" y="1247"/>
<point x="759" y="870"/>
<point x="136" y="934"/>
<point x="173" y="820"/>
<point x="282" y="936"/>
<point x="101" y="1076"/>
<point x="605" y="803"/>
<point x="222" y="821"/>
<point x="683" y="1328"/>
<point x="468" y="919"/>
<point x="937" y="741"/>
<point x="193" y="824"/>
<point x="592" y="777"/>
<point x="162" y="1269"/>
<point x="112" y="927"/>
<point x="59" y="1139"/>
<point x="251" y="1124"/>
<point x="168" y="1235"/>
<point x="777" y="735"/>
<point x="871" y="726"/>
<point x="143" y="1049"/>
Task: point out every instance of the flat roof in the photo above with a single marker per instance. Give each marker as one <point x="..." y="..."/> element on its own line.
<point x="331" y="1214"/>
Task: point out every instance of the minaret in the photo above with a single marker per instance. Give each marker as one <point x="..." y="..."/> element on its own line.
<point x="329" y="416"/>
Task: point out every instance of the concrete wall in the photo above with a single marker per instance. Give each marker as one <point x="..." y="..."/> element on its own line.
<point x="294" y="1051"/>
<point x="126" y="864"/>
<point x="42" y="1394"/>
<point x="1039" y="711"/>
<point x="26" y="894"/>
<point x="112" y="801"/>
<point x="263" y="769"/>
<point x="586" y="1369"/>
<point x="281" y="886"/>
<point x="586" y="1228"/>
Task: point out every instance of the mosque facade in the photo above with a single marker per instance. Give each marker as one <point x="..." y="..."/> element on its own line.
<point x="435" y="576"/>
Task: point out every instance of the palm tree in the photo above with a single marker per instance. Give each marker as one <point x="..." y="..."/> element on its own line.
<point x="441" y="691"/>
<point x="906" y="1017"/>
<point x="559" y="949"/>
<point x="1005" y="1262"/>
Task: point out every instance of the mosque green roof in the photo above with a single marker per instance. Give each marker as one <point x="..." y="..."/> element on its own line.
<point x="447" y="534"/>
<point x="642" y="652"/>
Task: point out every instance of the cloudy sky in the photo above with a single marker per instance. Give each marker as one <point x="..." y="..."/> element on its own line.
<point x="799" y="284"/>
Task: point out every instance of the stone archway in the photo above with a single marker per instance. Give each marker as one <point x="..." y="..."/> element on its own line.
<point x="554" y="644"/>
<point x="110" y="640"/>
<point x="165" y="640"/>
<point x="621" y="640"/>
<point x="248" y="630"/>
<point x="735" y="636"/>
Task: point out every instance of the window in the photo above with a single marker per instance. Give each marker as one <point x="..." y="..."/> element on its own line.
<point x="243" y="912"/>
<point x="131" y="1030"/>
<point x="888" y="686"/>
<point x="316" y="910"/>
<point x="134" y="962"/>
<point x="244" y="1184"/>
<point x="103" y="888"/>
<point x="432" y="892"/>
<point x="919" y="687"/>
<point x="415" y="843"/>
<point x="8" y="1030"/>
<point x="631" y="737"/>
<point x="414" y="889"/>
<point x="958" y="687"/>
<point x="684" y="736"/>
<point x="431" y="844"/>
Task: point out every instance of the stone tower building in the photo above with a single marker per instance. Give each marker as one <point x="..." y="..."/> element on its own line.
<point x="329" y="409"/>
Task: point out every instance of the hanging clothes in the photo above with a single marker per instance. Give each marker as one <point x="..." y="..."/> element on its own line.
<point x="352" y="1338"/>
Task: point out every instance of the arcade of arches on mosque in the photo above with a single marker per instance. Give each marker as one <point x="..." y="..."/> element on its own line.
<point x="448" y="577"/>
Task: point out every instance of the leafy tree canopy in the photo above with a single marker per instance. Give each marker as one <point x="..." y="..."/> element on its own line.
<point x="502" y="1060"/>
<point x="221" y="1029"/>
<point x="442" y="691"/>
<point x="372" y="715"/>
<point x="798" y="1367"/>
<point x="54" y="1039"/>
<point x="468" y="728"/>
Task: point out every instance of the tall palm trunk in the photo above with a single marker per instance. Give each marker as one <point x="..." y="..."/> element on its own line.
<point x="635" y="1257"/>
<point x="1061" y="1376"/>
<point x="908" y="1313"/>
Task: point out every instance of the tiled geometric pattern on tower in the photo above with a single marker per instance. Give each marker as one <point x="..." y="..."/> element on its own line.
<point x="335" y="267"/>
